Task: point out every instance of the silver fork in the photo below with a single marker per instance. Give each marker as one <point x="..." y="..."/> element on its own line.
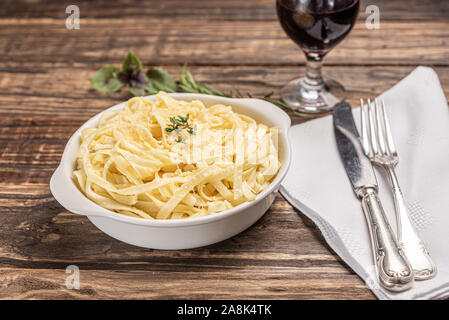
<point x="378" y="145"/>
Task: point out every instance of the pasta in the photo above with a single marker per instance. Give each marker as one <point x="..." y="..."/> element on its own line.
<point x="172" y="159"/>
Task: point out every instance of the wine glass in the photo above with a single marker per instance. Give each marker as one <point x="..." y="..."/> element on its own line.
<point x="316" y="26"/>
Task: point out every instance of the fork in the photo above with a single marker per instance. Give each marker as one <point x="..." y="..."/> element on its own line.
<point x="378" y="145"/>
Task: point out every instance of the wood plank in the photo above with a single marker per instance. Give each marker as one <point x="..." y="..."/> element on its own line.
<point x="168" y="41"/>
<point x="211" y="10"/>
<point x="40" y="239"/>
<point x="139" y="284"/>
<point x="35" y="99"/>
<point x="40" y="228"/>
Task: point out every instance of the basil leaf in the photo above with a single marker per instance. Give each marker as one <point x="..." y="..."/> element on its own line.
<point x="161" y="79"/>
<point x="137" y="83"/>
<point x="150" y="89"/>
<point x="105" y="80"/>
<point x="138" y="92"/>
<point x="133" y="79"/>
<point x="132" y="63"/>
<point x="139" y="80"/>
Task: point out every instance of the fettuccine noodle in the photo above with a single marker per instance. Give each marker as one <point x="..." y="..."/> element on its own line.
<point x="133" y="165"/>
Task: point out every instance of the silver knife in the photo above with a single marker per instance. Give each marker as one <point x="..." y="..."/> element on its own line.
<point x="392" y="267"/>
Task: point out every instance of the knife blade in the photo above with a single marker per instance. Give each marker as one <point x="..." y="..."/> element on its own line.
<point x="392" y="267"/>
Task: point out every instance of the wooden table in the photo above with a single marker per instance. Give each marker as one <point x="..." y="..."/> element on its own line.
<point x="45" y="96"/>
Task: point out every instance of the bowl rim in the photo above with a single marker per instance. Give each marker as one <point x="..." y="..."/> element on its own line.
<point x="105" y="213"/>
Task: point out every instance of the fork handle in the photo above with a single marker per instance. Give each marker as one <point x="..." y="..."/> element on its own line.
<point x="416" y="252"/>
<point x="393" y="269"/>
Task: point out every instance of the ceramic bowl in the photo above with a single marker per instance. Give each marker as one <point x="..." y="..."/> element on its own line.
<point x="180" y="233"/>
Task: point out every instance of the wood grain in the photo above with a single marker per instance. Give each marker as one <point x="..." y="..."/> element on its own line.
<point x="213" y="10"/>
<point x="282" y="256"/>
<point x="178" y="41"/>
<point x="48" y="97"/>
<point x="45" y="96"/>
<point x="290" y="283"/>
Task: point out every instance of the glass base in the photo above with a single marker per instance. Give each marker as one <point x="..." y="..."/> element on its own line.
<point x="312" y="99"/>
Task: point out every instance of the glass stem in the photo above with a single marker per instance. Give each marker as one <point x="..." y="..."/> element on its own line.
<point x="313" y="73"/>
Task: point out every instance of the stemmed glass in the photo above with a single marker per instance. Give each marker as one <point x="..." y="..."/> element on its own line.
<point x="316" y="26"/>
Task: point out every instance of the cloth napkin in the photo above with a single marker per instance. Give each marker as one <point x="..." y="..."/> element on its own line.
<point x="317" y="185"/>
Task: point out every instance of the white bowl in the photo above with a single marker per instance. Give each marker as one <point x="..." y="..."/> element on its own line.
<point x="182" y="233"/>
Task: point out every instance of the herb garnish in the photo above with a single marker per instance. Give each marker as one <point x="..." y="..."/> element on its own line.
<point x="178" y="123"/>
<point x="111" y="79"/>
<point x="132" y="75"/>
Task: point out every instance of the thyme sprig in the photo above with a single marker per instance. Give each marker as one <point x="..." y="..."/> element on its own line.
<point x="178" y="123"/>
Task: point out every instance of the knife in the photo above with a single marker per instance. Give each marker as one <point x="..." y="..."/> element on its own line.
<point x="392" y="267"/>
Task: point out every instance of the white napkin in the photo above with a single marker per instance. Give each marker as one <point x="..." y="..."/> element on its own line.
<point x="317" y="184"/>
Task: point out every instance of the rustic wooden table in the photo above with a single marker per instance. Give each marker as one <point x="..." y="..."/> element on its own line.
<point x="45" y="96"/>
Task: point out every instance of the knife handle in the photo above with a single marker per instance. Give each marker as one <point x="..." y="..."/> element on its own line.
<point x="393" y="269"/>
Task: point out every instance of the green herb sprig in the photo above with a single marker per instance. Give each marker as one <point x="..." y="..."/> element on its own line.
<point x="110" y="79"/>
<point x="178" y="123"/>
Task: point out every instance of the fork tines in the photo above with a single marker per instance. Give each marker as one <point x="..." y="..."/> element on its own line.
<point x="375" y="129"/>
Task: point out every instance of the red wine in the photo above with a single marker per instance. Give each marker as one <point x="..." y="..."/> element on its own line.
<point x="317" y="25"/>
